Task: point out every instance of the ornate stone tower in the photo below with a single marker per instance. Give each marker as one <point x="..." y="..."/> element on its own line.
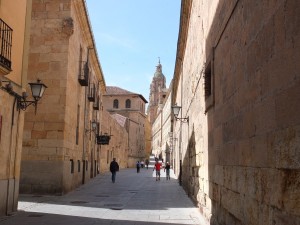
<point x="157" y="93"/>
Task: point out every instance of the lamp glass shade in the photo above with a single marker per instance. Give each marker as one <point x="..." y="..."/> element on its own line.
<point x="37" y="89"/>
<point x="176" y="110"/>
<point x="94" y="125"/>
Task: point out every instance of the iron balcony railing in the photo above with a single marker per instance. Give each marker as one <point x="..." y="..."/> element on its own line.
<point x="96" y="103"/>
<point x="5" y="45"/>
<point x="84" y="71"/>
<point x="92" y="92"/>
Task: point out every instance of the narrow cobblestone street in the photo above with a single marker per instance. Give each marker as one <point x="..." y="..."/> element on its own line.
<point x="135" y="198"/>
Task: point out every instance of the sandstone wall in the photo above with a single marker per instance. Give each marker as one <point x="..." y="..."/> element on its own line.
<point x="241" y="146"/>
<point x="118" y="145"/>
<point x="60" y="151"/>
<point x="136" y="123"/>
<point x="12" y="119"/>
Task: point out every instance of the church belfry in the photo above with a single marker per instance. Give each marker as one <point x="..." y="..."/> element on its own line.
<point x="157" y="92"/>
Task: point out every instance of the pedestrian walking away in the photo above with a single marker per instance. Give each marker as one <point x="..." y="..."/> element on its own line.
<point x="138" y="166"/>
<point x="114" y="167"/>
<point x="147" y="163"/>
<point x="157" y="168"/>
<point x="167" y="169"/>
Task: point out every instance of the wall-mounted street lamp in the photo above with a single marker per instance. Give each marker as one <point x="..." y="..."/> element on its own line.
<point x="175" y="110"/>
<point x="94" y="128"/>
<point x="37" y="90"/>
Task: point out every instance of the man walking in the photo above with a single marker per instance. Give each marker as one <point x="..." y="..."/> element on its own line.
<point x="147" y="163"/>
<point x="167" y="169"/>
<point x="138" y="166"/>
<point x="114" y="167"/>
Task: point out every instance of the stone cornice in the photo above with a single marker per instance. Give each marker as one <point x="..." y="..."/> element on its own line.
<point x="85" y="26"/>
<point x="181" y="43"/>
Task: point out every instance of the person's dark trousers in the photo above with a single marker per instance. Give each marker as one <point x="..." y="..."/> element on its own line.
<point x="113" y="176"/>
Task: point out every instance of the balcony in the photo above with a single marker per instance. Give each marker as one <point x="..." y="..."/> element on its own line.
<point x="92" y="93"/>
<point x="84" y="71"/>
<point x="96" y="104"/>
<point x="5" y="48"/>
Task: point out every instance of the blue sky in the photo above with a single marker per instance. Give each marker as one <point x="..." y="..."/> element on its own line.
<point x="130" y="35"/>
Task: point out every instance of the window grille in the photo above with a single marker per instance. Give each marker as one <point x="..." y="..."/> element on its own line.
<point x="84" y="71"/>
<point x="92" y="92"/>
<point x="207" y="81"/>
<point x="5" y="45"/>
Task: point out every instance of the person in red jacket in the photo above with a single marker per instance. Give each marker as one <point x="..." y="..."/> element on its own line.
<point x="157" y="166"/>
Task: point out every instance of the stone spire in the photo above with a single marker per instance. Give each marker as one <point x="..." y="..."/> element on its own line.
<point x="157" y="89"/>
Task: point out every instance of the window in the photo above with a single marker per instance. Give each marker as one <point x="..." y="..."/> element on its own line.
<point x="128" y="103"/>
<point x="72" y="165"/>
<point x="209" y="82"/>
<point x="78" y="164"/>
<point x="77" y="124"/>
<point x="83" y="76"/>
<point x="116" y="103"/>
<point x="92" y="92"/>
<point x="80" y="59"/>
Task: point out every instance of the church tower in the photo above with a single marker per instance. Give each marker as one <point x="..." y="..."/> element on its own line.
<point x="158" y="92"/>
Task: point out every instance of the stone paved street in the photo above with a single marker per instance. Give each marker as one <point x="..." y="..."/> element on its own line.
<point x="135" y="198"/>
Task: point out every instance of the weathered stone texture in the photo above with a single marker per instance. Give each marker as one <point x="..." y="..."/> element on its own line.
<point x="250" y="137"/>
<point x="118" y="146"/>
<point x="61" y="133"/>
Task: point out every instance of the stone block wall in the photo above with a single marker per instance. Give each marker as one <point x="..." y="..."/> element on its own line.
<point x="12" y="119"/>
<point x="60" y="135"/>
<point x="241" y="151"/>
<point x="44" y="131"/>
<point x="118" y="145"/>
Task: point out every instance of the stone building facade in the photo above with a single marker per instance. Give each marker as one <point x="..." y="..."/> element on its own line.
<point x="237" y="79"/>
<point x="158" y="93"/>
<point x="162" y="131"/>
<point x="148" y="138"/>
<point x="132" y="106"/>
<point x="157" y="136"/>
<point x="60" y="151"/>
<point x="14" y="43"/>
<point x="115" y="126"/>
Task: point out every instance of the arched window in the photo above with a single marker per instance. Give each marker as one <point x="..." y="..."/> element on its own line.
<point x="128" y="103"/>
<point x="116" y="103"/>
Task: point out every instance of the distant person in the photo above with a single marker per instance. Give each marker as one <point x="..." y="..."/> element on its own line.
<point x="167" y="169"/>
<point x="142" y="164"/>
<point x="114" y="167"/>
<point x="147" y="163"/>
<point x="138" y="166"/>
<point x="157" y="166"/>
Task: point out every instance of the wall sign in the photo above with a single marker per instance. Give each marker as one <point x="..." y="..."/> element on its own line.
<point x="103" y="139"/>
